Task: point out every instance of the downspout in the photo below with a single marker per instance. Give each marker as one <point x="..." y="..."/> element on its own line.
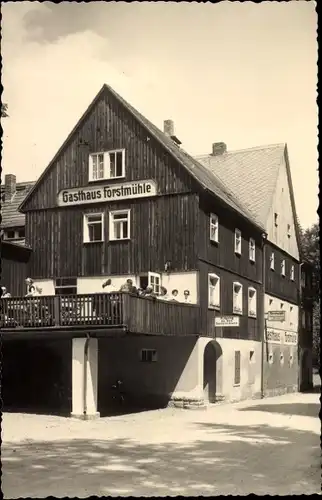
<point x="299" y="327"/>
<point x="85" y="375"/>
<point x="263" y="318"/>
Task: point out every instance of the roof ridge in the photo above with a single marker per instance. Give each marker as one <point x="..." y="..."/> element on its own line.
<point x="254" y="148"/>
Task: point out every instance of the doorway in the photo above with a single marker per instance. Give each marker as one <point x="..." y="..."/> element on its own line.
<point x="212" y="372"/>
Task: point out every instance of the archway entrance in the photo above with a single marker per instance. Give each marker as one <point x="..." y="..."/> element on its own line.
<point x="212" y="372"/>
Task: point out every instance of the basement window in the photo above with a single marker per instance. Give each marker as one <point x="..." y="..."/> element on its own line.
<point x="148" y="355"/>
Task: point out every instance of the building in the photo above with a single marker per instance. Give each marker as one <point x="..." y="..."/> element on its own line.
<point x="14" y="267"/>
<point x="12" y="221"/>
<point x="122" y="199"/>
<point x="261" y="179"/>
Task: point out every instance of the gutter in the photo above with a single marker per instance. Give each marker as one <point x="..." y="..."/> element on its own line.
<point x="263" y="319"/>
<point x="85" y="375"/>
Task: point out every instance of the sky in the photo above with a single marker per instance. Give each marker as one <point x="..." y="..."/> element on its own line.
<point x="240" y="73"/>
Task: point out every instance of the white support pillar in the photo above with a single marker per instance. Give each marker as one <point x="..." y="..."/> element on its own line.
<point x="84" y="378"/>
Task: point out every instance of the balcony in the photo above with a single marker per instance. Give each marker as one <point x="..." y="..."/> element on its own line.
<point x="100" y="312"/>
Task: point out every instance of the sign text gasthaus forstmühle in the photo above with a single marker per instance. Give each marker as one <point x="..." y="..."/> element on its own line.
<point x="106" y="192"/>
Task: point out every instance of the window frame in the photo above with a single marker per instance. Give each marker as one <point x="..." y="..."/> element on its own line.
<point x="111" y="229"/>
<point x="292" y="273"/>
<point x="238" y="310"/>
<point x="238" y="237"/>
<point x="252" y="248"/>
<point x="151" y="277"/>
<point x="86" y="230"/>
<point x="252" y="313"/>
<point x="106" y="165"/>
<point x="283" y="267"/>
<point x="146" y="351"/>
<point x="214" y="287"/>
<point x="272" y="261"/>
<point x="215" y="225"/>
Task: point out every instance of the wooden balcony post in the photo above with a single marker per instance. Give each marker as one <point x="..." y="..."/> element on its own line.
<point x="57" y="320"/>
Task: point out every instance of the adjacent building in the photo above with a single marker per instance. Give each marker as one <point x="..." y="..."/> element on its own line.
<point x="261" y="179"/>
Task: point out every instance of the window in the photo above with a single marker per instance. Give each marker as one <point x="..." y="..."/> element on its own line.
<point x="66" y="286"/>
<point x="282" y="305"/>
<point x="272" y="261"/>
<point x="288" y="230"/>
<point x="9" y="235"/>
<point x="276" y="219"/>
<point x="154" y="281"/>
<point x="21" y="232"/>
<point x="252" y="305"/>
<point x="93" y="227"/>
<point x="214" y="290"/>
<point x="237" y="368"/>
<point x="107" y="165"/>
<point x="148" y="355"/>
<point x="292" y="273"/>
<point x="237" y="241"/>
<point x="237" y="298"/>
<point x="214" y="228"/>
<point x="252" y="247"/>
<point x="283" y="267"/>
<point x="270" y="302"/>
<point x="120" y="225"/>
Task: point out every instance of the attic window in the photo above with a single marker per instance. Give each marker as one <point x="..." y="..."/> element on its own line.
<point x="107" y="165"/>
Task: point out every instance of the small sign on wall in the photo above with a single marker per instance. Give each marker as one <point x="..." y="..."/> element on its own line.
<point x="276" y="316"/>
<point x="227" y="321"/>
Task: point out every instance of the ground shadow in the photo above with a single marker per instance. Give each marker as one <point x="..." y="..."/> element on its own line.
<point x="301" y="409"/>
<point x="223" y="459"/>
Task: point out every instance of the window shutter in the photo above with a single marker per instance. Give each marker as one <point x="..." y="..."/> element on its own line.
<point x="237" y="368"/>
<point x="107" y="166"/>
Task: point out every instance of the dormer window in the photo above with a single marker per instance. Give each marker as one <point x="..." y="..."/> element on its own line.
<point x="214" y="228"/>
<point x="107" y="165"/>
<point x="238" y="238"/>
<point x="272" y="261"/>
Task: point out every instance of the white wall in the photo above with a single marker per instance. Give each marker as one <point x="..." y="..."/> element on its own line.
<point x="290" y="325"/>
<point x="250" y="386"/>
<point x="181" y="282"/>
<point x="47" y="286"/>
<point x="282" y="206"/>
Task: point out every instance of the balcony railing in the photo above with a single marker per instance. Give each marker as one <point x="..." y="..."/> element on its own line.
<point x="136" y="314"/>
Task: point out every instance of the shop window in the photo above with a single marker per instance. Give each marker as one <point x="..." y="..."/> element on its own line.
<point x="107" y="165"/>
<point x="119" y="225"/>
<point x="93" y="228"/>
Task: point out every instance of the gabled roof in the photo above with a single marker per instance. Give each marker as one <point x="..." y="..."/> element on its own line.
<point x="252" y="174"/>
<point x="202" y="175"/>
<point x="11" y="217"/>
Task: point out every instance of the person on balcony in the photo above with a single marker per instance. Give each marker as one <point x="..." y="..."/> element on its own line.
<point x="164" y="294"/>
<point x="31" y="289"/>
<point x="4" y="293"/>
<point x="127" y="286"/>
<point x="174" y="295"/>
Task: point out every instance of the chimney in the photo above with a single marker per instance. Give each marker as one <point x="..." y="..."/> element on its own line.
<point x="168" y="129"/>
<point x="218" y="148"/>
<point x="9" y="186"/>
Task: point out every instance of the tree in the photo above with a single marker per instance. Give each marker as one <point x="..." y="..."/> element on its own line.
<point x="310" y="250"/>
<point x="4" y="110"/>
